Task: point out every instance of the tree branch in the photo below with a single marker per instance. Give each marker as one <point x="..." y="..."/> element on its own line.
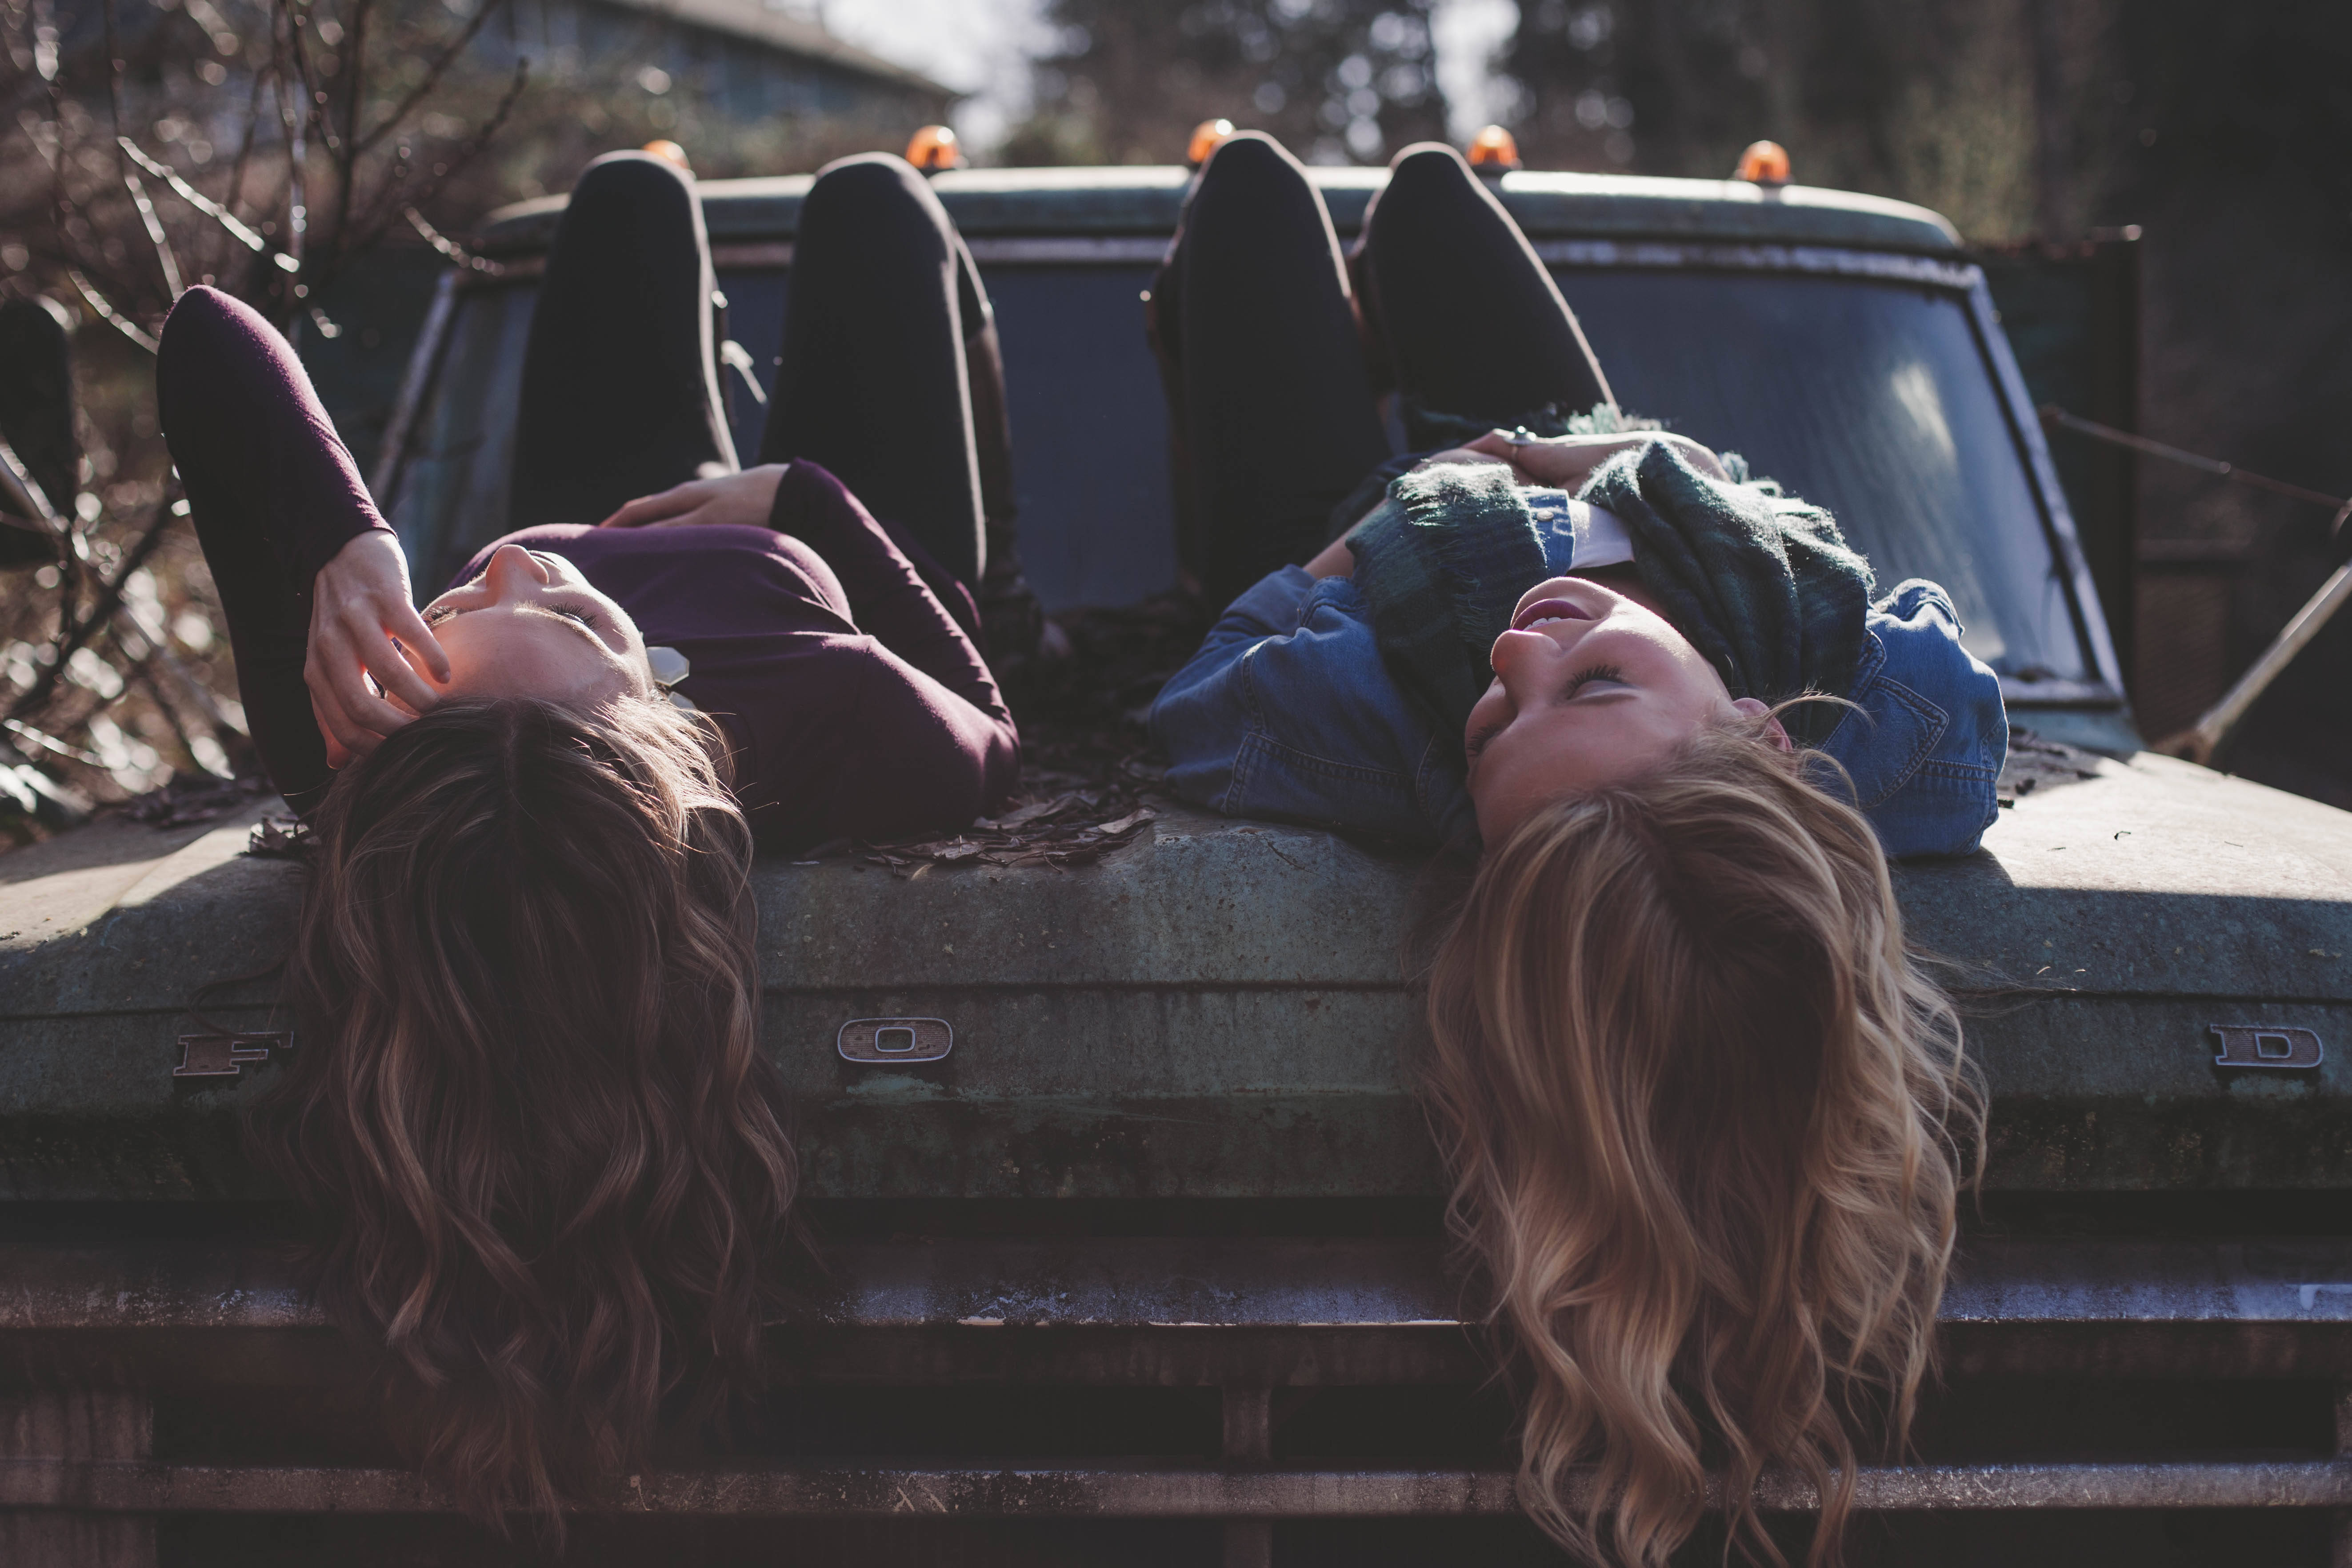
<point x="354" y="74"/>
<point x="433" y="76"/>
<point x="380" y="219"/>
<point x="74" y="631"/>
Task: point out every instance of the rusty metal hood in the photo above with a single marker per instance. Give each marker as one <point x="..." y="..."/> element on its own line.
<point x="1217" y="1010"/>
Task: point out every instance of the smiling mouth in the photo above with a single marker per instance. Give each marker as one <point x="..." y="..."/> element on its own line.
<point x="1543" y="610"/>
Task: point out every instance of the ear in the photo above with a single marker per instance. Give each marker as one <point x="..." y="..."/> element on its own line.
<point x="1756" y="710"/>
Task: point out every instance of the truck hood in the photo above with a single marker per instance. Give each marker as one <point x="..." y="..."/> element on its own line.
<point x="1216" y="1011"/>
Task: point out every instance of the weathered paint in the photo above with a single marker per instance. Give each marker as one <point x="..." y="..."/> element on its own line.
<point x="1148" y="1490"/>
<point x="1218" y="1011"/>
<point x="1208" y="1283"/>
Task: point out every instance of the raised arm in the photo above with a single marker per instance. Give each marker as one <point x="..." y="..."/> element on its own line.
<point x="312" y="580"/>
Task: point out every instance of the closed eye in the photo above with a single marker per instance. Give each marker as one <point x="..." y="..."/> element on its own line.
<point x="1584" y="678"/>
<point x="1477" y="742"/>
<point x="436" y="613"/>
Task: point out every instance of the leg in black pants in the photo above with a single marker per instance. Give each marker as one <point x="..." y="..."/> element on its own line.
<point x="620" y="386"/>
<point x="891" y="376"/>
<point x="886" y="314"/>
<point x="1272" y="407"/>
<point x="1471" y="320"/>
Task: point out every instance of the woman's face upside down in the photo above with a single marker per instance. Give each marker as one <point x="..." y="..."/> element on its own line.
<point x="1591" y="686"/>
<point x="530" y="625"/>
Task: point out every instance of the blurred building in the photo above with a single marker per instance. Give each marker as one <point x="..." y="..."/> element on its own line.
<point x="742" y="58"/>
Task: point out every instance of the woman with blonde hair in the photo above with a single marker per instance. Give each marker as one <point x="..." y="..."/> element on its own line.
<point x="549" y="1165"/>
<point x="1701" y="1107"/>
<point x="1705" y="1113"/>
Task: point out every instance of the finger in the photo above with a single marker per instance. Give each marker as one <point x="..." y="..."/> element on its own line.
<point x="417" y="638"/>
<point x="1494" y="443"/>
<point x="341" y="674"/>
<point x="365" y="645"/>
<point x="399" y="677"/>
<point x="328" y="709"/>
<point x="371" y="713"/>
<point x="389" y="662"/>
<point x="1455" y="454"/>
<point x="339" y="756"/>
<point x="649" y="509"/>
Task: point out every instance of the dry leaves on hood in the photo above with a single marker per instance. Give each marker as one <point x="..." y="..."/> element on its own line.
<point x="193" y="798"/>
<point x="1060" y="830"/>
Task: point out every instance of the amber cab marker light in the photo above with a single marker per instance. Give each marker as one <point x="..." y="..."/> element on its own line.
<point x="1207" y="137"/>
<point x="934" y="148"/>
<point x="1764" y="163"/>
<point x="668" y="152"/>
<point x="1493" y="151"/>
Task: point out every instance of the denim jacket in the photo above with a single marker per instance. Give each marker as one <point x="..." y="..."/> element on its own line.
<point x="1288" y="713"/>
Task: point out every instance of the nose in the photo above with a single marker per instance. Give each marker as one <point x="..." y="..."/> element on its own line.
<point x="1517" y="659"/>
<point x="513" y="570"/>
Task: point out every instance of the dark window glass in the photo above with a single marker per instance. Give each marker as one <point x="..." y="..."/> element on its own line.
<point x="1873" y="400"/>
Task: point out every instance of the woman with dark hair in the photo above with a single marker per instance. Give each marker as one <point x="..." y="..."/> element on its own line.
<point x="550" y="1166"/>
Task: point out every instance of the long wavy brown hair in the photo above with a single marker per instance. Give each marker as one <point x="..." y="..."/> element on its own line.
<point x="1706" y="1117"/>
<point x="528" y="1110"/>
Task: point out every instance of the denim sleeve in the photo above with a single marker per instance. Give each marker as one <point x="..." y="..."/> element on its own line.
<point x="1925" y="745"/>
<point x="1286" y="713"/>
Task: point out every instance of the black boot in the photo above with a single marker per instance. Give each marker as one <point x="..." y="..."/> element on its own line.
<point x="37" y="420"/>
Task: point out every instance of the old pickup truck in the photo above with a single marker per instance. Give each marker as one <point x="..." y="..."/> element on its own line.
<point x="1133" y="1226"/>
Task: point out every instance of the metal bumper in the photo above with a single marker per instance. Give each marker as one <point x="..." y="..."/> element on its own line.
<point x="1143" y="1491"/>
<point x="90" y="1336"/>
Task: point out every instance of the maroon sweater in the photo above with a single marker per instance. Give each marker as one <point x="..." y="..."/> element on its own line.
<point x="854" y="700"/>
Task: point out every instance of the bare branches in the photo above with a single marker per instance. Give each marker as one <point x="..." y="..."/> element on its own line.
<point x="450" y="247"/>
<point x="354" y="67"/>
<point x="380" y="218"/>
<point x="154" y="227"/>
<point x="198" y="199"/>
<point x="432" y="81"/>
<point x="103" y="309"/>
<point x="245" y="140"/>
<point x="357" y="114"/>
<point x="73" y="631"/>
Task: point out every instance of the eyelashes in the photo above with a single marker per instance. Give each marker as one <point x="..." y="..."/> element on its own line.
<point x="1583" y="678"/>
<point x="435" y="616"/>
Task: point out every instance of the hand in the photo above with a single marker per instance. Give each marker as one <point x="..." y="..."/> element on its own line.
<point x="746" y="497"/>
<point x="1337" y="560"/>
<point x="1565" y="462"/>
<point x="362" y="621"/>
<point x="1476" y="452"/>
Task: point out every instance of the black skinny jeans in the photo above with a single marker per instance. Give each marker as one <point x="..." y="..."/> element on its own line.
<point x="1269" y="384"/>
<point x="890" y="376"/>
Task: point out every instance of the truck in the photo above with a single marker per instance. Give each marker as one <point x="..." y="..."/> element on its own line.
<point x="1132" y="1230"/>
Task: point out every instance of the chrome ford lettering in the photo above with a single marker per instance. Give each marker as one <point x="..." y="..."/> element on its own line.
<point x="2266" y="1045"/>
<point x="895" y="1041"/>
<point x="226" y="1056"/>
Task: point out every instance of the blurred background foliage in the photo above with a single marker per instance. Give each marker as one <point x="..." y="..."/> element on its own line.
<point x="2217" y="136"/>
<point x="1336" y="81"/>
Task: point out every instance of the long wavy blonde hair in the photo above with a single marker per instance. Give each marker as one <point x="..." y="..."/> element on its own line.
<point x="527" y="1108"/>
<point x="1705" y="1115"/>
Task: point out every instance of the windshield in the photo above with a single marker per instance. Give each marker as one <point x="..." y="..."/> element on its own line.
<point x="1871" y="399"/>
